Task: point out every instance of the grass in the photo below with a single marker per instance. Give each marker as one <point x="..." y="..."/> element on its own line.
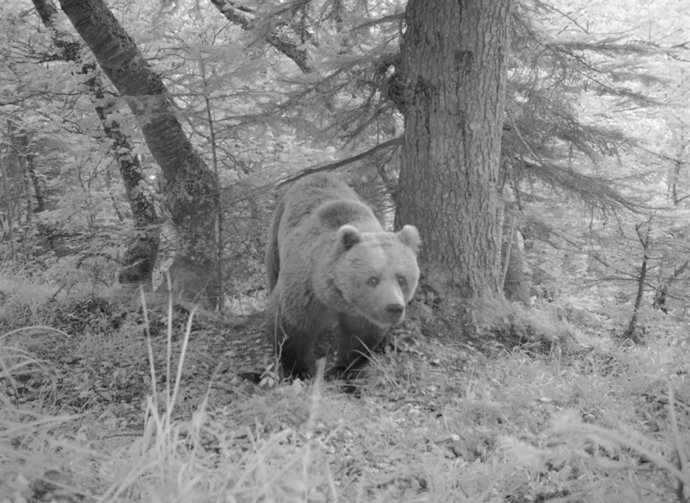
<point x="435" y="421"/>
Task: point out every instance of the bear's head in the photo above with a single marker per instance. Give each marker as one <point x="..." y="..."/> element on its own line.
<point x="377" y="272"/>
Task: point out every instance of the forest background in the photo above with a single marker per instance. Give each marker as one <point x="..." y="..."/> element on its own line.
<point x="593" y="182"/>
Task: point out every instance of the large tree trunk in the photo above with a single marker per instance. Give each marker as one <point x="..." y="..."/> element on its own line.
<point x="141" y="254"/>
<point x="191" y="188"/>
<point x="453" y="72"/>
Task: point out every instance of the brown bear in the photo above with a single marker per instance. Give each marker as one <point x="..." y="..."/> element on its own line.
<point x="330" y="265"/>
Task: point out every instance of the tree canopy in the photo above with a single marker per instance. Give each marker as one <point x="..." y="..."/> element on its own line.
<point x="594" y="120"/>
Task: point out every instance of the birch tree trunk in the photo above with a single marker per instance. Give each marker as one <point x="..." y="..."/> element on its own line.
<point x="141" y="254"/>
<point x="453" y="72"/>
<point x="191" y="188"/>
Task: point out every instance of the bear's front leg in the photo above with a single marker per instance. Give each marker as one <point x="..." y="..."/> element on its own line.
<point x="296" y="352"/>
<point x="358" y="338"/>
<point x="293" y="347"/>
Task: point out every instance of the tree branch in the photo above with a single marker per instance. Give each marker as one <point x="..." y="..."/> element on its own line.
<point x="236" y="14"/>
<point x="349" y="160"/>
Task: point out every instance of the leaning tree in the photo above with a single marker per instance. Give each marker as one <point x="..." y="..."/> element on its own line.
<point x="141" y="255"/>
<point x="191" y="188"/>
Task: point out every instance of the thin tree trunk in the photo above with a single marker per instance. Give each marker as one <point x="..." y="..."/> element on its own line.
<point x="140" y="256"/>
<point x="35" y="179"/>
<point x="22" y="147"/>
<point x="631" y="331"/>
<point x="214" y="157"/>
<point x="661" y="294"/>
<point x="191" y="189"/>
<point x="26" y="159"/>
<point x="515" y="282"/>
<point x="678" y="164"/>
<point x="4" y="179"/>
<point x="453" y="70"/>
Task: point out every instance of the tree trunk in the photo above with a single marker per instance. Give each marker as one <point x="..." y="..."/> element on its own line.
<point x="22" y="148"/>
<point x="515" y="281"/>
<point x="191" y="189"/>
<point x="661" y="294"/>
<point x="35" y="179"/>
<point x="453" y="72"/>
<point x="631" y="332"/>
<point x="141" y="254"/>
<point x="5" y="181"/>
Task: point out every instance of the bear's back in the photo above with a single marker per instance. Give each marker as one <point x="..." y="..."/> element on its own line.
<point x="328" y="200"/>
<point x="335" y="214"/>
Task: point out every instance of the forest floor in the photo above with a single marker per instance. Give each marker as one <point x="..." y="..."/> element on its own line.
<point x="436" y="419"/>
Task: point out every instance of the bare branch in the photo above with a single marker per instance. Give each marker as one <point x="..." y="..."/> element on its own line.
<point x="333" y="165"/>
<point x="238" y="15"/>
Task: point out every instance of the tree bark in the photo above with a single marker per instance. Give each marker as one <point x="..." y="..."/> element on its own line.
<point x="191" y="188"/>
<point x="140" y="256"/>
<point x="453" y="71"/>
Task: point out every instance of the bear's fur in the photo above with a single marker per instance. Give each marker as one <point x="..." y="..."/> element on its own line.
<point x="330" y="263"/>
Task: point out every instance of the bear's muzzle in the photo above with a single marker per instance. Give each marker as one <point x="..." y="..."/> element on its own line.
<point x="395" y="312"/>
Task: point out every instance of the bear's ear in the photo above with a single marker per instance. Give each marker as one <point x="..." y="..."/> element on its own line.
<point x="409" y="235"/>
<point x="348" y="236"/>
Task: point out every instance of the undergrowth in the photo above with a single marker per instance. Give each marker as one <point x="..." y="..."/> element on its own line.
<point x="434" y="420"/>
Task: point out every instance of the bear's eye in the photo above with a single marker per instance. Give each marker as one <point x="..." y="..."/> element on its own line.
<point x="402" y="282"/>
<point x="373" y="281"/>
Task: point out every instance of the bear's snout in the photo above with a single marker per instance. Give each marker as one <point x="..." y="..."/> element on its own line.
<point x="395" y="312"/>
